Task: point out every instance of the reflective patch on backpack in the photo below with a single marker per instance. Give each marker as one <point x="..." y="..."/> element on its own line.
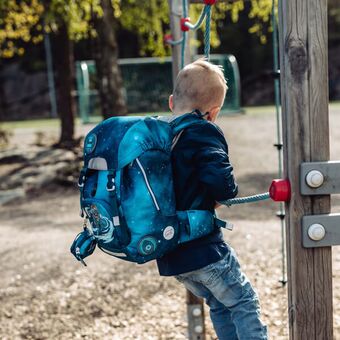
<point x="169" y="232"/>
<point x="90" y="143"/>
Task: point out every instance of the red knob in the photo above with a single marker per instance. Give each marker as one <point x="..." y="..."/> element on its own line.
<point x="184" y="28"/>
<point x="209" y="2"/>
<point x="279" y="190"/>
<point x="167" y="38"/>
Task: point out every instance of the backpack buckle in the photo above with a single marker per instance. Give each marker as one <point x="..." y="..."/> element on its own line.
<point x="110" y="186"/>
<point x="82" y="178"/>
<point x="81" y="181"/>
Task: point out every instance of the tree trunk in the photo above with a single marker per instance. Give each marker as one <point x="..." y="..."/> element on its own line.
<point x="110" y="84"/>
<point x="3" y="104"/>
<point x="64" y="66"/>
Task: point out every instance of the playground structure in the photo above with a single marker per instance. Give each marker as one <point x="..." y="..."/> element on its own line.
<point x="304" y="92"/>
<point x="304" y="86"/>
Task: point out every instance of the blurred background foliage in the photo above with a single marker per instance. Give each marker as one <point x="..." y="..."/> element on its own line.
<point x="23" y="22"/>
<point x="105" y="30"/>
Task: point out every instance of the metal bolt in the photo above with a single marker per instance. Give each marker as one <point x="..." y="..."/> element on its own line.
<point x="196" y="312"/>
<point x="316" y="232"/>
<point x="314" y="179"/>
<point x="198" y="329"/>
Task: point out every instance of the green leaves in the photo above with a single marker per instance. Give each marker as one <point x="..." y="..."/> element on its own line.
<point x="19" y="23"/>
<point x="25" y="21"/>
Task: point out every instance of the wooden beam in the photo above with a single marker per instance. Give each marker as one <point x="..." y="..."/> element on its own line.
<point x="304" y="80"/>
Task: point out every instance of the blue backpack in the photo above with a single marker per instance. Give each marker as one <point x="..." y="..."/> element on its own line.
<point x="127" y="193"/>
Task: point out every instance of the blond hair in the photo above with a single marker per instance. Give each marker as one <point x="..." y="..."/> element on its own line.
<point x="200" y="85"/>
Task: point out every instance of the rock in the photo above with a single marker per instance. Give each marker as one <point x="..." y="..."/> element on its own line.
<point x="39" y="181"/>
<point x="40" y="166"/>
<point x="7" y="196"/>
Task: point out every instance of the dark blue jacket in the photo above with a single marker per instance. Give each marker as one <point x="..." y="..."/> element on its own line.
<point x="203" y="176"/>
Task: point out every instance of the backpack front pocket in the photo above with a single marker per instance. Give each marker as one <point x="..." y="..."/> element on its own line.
<point x="107" y="228"/>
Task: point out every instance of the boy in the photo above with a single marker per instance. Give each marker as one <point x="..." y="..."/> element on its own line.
<point x="203" y="176"/>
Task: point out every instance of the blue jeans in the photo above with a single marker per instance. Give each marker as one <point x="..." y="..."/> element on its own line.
<point x="234" y="305"/>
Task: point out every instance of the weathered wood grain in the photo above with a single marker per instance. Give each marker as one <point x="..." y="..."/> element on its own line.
<point x="304" y="89"/>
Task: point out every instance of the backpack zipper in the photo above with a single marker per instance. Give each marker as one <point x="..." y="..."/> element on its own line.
<point x="148" y="184"/>
<point x="112" y="253"/>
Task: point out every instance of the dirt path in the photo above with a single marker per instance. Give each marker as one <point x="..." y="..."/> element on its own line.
<point x="46" y="294"/>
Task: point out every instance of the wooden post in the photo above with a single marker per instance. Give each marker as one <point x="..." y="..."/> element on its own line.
<point x="176" y="12"/>
<point x="195" y="313"/>
<point x="304" y="89"/>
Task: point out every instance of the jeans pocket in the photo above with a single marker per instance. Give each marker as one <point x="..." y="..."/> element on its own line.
<point x="205" y="275"/>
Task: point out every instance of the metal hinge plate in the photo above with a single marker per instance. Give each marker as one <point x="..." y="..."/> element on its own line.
<point x="331" y="225"/>
<point x="331" y="174"/>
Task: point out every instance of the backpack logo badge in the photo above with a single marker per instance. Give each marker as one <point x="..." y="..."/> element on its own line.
<point x="147" y="245"/>
<point x="90" y="143"/>
<point x="169" y="233"/>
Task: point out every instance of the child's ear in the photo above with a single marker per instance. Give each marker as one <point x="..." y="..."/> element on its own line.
<point x="171" y="102"/>
<point x="213" y="113"/>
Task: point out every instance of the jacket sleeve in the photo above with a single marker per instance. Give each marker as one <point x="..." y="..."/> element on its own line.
<point x="212" y="161"/>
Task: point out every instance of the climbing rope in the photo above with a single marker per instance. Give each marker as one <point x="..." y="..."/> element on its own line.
<point x="247" y="199"/>
<point x="184" y="31"/>
<point x="207" y="32"/>
<point x="173" y="42"/>
<point x="200" y="20"/>
<point x="186" y="25"/>
<point x="279" y="191"/>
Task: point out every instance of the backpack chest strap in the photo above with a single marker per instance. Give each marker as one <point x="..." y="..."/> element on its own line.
<point x="194" y="224"/>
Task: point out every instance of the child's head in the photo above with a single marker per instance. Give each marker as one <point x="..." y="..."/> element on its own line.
<point x="200" y="85"/>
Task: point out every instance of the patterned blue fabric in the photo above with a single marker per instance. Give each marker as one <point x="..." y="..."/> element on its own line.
<point x="127" y="189"/>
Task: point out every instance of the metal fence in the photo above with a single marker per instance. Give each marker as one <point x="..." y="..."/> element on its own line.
<point x="148" y="84"/>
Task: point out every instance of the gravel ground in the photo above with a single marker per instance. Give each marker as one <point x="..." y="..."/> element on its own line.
<point x="46" y="294"/>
